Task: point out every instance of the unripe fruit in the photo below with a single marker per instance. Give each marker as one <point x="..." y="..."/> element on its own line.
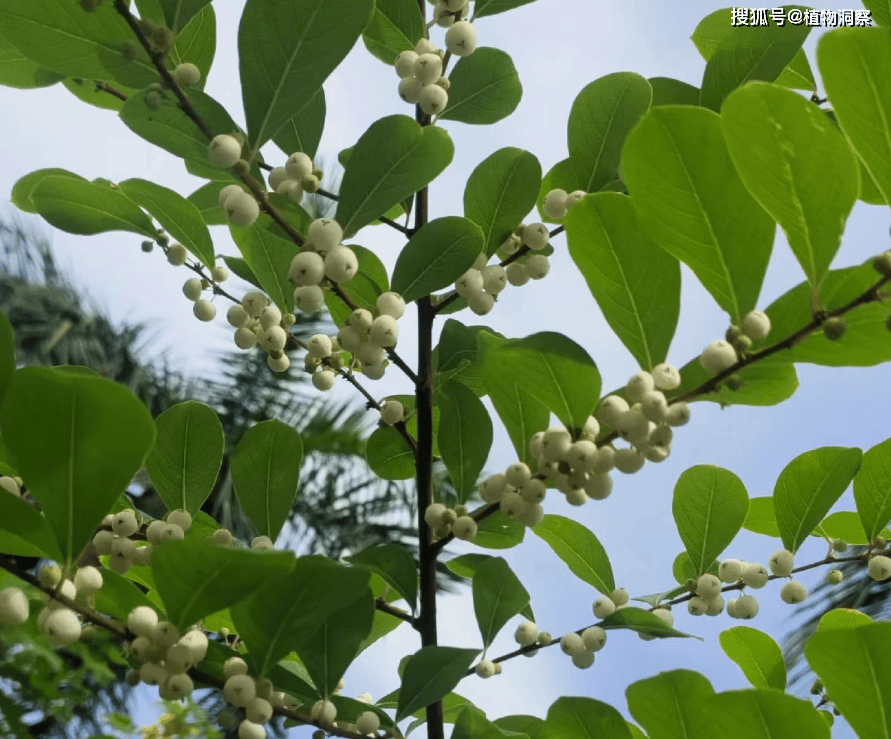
<point x="533" y="490"/>
<point x="594" y="638"/>
<point x="223" y="151"/>
<point x="254" y="303"/>
<point x="834" y="576"/>
<point x="781" y="563"/>
<point x="204" y="310"/>
<point x="270" y="316"/>
<point x="245" y="338"/>
<point x="323" y="380"/>
<point x="755" y="575"/>
<point x="493" y="488"/>
<point x="793" y="592"/>
<point x="516" y="274"/>
<point x="178" y="659"/>
<point x="485" y="669"/>
<point x="535" y="236"/>
<point x="307" y="268"/>
<point x="278" y="364"/>
<point x="481" y="303"/>
<point x="537" y="266"/>
<point x="697" y="606"/>
<point x="165" y="634"/>
<point x="13" y="607"/>
<point x="181" y="518"/>
<point x="512" y="504"/>
<point x="756" y="325"/>
<point x="384" y="331"/>
<point x="433" y="99"/>
<point x="49" y="576"/>
<point x="62" y="627"/>
<point x="714" y="606"/>
<point x="177" y="255"/>
<point x="461" y="39"/>
<point x="526" y="634"/>
<point x="577" y="497"/>
<point x="405" y="63"/>
<point x="882" y="264"/>
<point x="87" y="580"/>
<point x="241" y="209"/>
<point x="718" y="357"/>
<point x="572" y="644"/>
<point x="187" y="74"/>
<point x="666" y="377"/>
<point x="391" y="304"/>
<point x="142" y="621"/>
<point x="154" y="531"/>
<point x="555" y="444"/>
<point x="839" y="545"/>
<point x="124" y="523"/>
<point x="678" y="414"/>
<point x="273" y="339"/>
<point x="10" y="485"/>
<point x="603" y="607"/>
<point x="554" y="206"/>
<point x="227" y="192"/>
<point x="192" y="288"/>
<point x="259" y="710"/>
<point x="239" y="690"/>
<point x="834" y="328"/>
<point x="410" y="90"/>
<point x="299" y="165"/>
<point x="708" y="587"/>
<point x="172" y="532"/>
<point x="428" y="69"/>
<point x="639" y="385"/>
<point x="324" y="710"/>
<point x="598" y="485"/>
<point x="666" y="615"/>
<point x="629" y="461"/>
<point x="464" y="528"/>
<point x="370" y="354"/>
<point x="262" y="542"/>
<point x="611" y="410"/>
<point x="368" y="722"/>
<point x="223" y="537"/>
<point x="309" y="298"/>
<point x="654" y="406"/>
<point x="731" y="570"/>
<point x="880" y="568"/>
<point x="583" y="660"/>
<point x="153" y="674"/>
<point x="470" y="283"/>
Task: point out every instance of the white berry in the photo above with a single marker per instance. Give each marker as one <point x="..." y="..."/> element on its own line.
<point x="405" y="63"/>
<point x="187" y="74"/>
<point x="572" y="644"/>
<point x="461" y="38"/>
<point x="384" y="331"/>
<point x="13" y="607"/>
<point x="793" y="592"/>
<point x="756" y="325"/>
<point x="555" y="204"/>
<point x="535" y="236"/>
<point x="603" y="607"/>
<point x="224" y="150"/>
<point x="464" y="528"/>
<point x="62" y="626"/>
<point x="242" y="209"/>
<point x="192" y="288"/>
<point x="880" y="568"/>
<point x="781" y="563"/>
<point x="309" y="298"/>
<point x="204" y="310"/>
<point x="718" y="357"/>
<point x="87" y="580"/>
<point x="594" y="638"/>
<point x="177" y="255"/>
<point x="299" y="165"/>
<point x="240" y="690"/>
<point x="755" y="575"/>
<point x="391" y="304"/>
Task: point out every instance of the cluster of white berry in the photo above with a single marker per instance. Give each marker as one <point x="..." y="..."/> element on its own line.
<point x="752" y="575"/>
<point x="240" y="206"/>
<point x="257" y="321"/>
<point x="448" y="12"/>
<point x="203" y="309"/>
<point x="298" y="176"/>
<point x="445" y="521"/>
<point x="125" y="552"/>
<point x="534" y="237"/>
<point x="367" y="337"/>
<point x="321" y="256"/>
<point x="11" y="485"/>
<point x="558" y="202"/>
<point x="722" y="355"/>
<point x="647" y="422"/>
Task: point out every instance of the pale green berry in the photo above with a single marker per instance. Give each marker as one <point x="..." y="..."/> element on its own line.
<point x="555" y="204"/>
<point x="793" y="592"/>
<point x="583" y="660"/>
<point x="834" y="576"/>
<point x="879" y="567"/>
<point x="537" y="266"/>
<point x="708" y="587"/>
<point x="781" y="562"/>
<point x="535" y="236"/>
<point x="62" y="627"/>
<point x="665" y="614"/>
<point x="410" y="89"/>
<point x="177" y="255"/>
<point x="756" y="325"/>
<point x="222" y="537"/>
<point x="465" y="528"/>
<point x="299" y="165"/>
<point x="603" y="607"/>
<point x="696" y="606"/>
<point x="187" y="74"/>
<point x="461" y="39"/>
<point x="428" y="69"/>
<point x="731" y="570"/>
<point x="13" y="607"/>
<point x="262" y="543"/>
<point x="224" y="150"/>
<point x="666" y="377"/>
<point x="240" y="690"/>
<point x="391" y="304"/>
<point x="204" y="310"/>
<point x="747" y="607"/>
<point x="594" y="638"/>
<point x="485" y="669"/>
<point x="493" y="488"/>
<point x="718" y="357"/>
<point x="309" y="298"/>
<point x="755" y="575"/>
<point x="87" y="580"/>
<point x="405" y="64"/>
<point x="324" y="710"/>
<point x="242" y="209"/>
<point x="572" y="644"/>
<point x="516" y="274"/>
<point x="433" y="98"/>
<point x="259" y="710"/>
<point x="678" y="414"/>
<point x="124" y="523"/>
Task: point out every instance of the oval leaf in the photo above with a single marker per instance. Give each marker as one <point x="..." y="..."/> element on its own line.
<point x="600" y="120"/>
<point x="669" y="705"/>
<point x="180" y="218"/>
<point x="282" y="65"/>
<point x="498" y="596"/>
<point x="430" y="673"/>
<point x="758" y="656"/>
<point x="797" y="166"/>
<point x="500" y="191"/>
<point x="437" y="255"/>
<point x="186" y="459"/>
<point x="643" y="622"/>
<point x="395" y="26"/>
<point x="808" y="487"/>
<point x="79" y="440"/>
<point x="303" y="131"/>
<point x="872" y="489"/>
<point x="580" y="549"/>
<point x="395" y="565"/>
<point x="484" y="88"/>
<point x="269" y="258"/>
<point x="636" y="284"/>
<point x="392" y="160"/>
<point x="265" y="470"/>
<point x="583" y="718"/>
<point x="25" y="531"/>
<point x="465" y="436"/>
<point x="86" y="208"/>
<point x="389" y="455"/>
<point x="762" y="714"/>
<point x="196" y="578"/>
<point x="21" y="190"/>
<point x="676" y="161"/>
<point x="499" y="532"/>
<point x="709" y="507"/>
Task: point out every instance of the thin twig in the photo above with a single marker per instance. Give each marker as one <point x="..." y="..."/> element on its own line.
<point x="111" y="90"/>
<point x="385" y="607"/>
<point x="383" y="219"/>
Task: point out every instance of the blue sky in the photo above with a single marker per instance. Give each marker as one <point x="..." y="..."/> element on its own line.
<point x="558" y="46"/>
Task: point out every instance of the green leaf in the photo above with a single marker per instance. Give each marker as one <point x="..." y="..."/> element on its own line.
<point x="580" y="549"/>
<point x="89" y="92"/>
<point x="484" y="88"/>
<point x="79" y="440"/>
<point x="25" y="531"/>
<point x="395" y="26"/>
<point x="197" y="578"/>
<point x="87" y="208"/>
<point x="392" y="160"/>
<point x="21" y="190"/>
<point x="363" y="289"/>
<point x="499" y="532"/>
<point x="669" y="705"/>
<point x="636" y="284"/>
<point x="279" y="617"/>
<point x="808" y="487"/>
<point x="472" y="723"/>
<point x="500" y="191"/>
<point x="395" y="565"/>
<point x="7" y="354"/>
<point x="197" y="43"/>
<point x="758" y="656"/>
<point x="600" y="120"/>
<point x="668" y="91"/>
<point x="483" y="8"/>
<point x="303" y="131"/>
<point x="207" y="200"/>
<point x="437" y="255"/>
<point x="17" y="70"/>
<point x="676" y="161"/>
<point x="842" y="618"/>
<point x="389" y="455"/>
<point x="178" y="13"/>
<point x="269" y="257"/>
<point x="644" y="622"/>
<point x="551" y="368"/>
<point x="764" y="383"/>
<point x="265" y="470"/>
<point x="684" y="570"/>
<point x="168" y="127"/>
<point x="465" y="436"/>
<point x="750" y="53"/>
<point x="709" y="507"/>
<point x="532" y="726"/>
<point x="847" y="525"/>
<point x="186" y="459"/>
<point x="328" y="651"/>
<point x="456" y="356"/>
<point x="636" y="733"/>
<point x="880" y="11"/>
<point x="797" y="166"/>
<point x="118" y="595"/>
<point x="849" y="59"/>
<point x="872" y="489"/>
<point x="430" y="673"/>
<point x="762" y="518"/>
<point x="584" y="718"/>
<point x="762" y="714"/>
<point x="240" y="268"/>
<point x="561" y="176"/>
<point x="57" y="35"/>
<point x="282" y="65"/>
<point x="866" y="341"/>
<point x="498" y="596"/>
<point x="798" y="74"/>
<point x="180" y="218"/>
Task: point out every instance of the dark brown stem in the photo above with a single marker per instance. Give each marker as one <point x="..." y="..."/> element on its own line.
<point x="111" y="90"/>
<point x="383" y="219"/>
<point x="385" y="607"/>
